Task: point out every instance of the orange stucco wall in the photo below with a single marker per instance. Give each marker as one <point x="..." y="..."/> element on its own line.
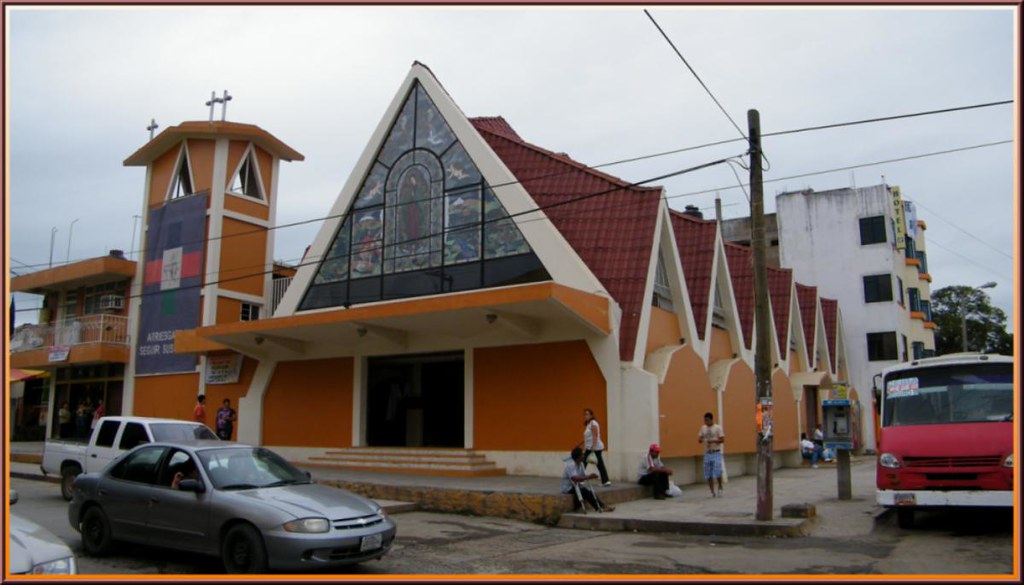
<point x="200" y="155"/>
<point x="531" y="397"/>
<point x="266" y="163"/>
<point x="228" y="310"/>
<point x="738" y="401"/>
<point x="784" y="417"/>
<point x="682" y="401"/>
<point x="664" y="329"/>
<point x="242" y="255"/>
<point x="309" y="404"/>
<point x="160" y="179"/>
<point x="171" y="396"/>
<point x="721" y="345"/>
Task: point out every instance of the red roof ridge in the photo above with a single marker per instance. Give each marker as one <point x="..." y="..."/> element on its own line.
<point x="688" y="217"/>
<point x="483" y="125"/>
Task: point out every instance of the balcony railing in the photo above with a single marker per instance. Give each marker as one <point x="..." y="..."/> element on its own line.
<point x="280" y="285"/>
<point x="88" y="329"/>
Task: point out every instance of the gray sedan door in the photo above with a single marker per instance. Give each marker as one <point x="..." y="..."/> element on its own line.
<point x="124" y="492"/>
<point x="175" y="518"/>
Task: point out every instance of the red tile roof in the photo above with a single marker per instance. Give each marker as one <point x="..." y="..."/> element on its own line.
<point x="741" y="270"/>
<point x="830" y="314"/>
<point x="780" y="286"/>
<point x="695" y="239"/>
<point x="807" y="297"/>
<point x="613" y="233"/>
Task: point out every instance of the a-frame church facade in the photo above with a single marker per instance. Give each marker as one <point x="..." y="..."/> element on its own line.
<point x="472" y="293"/>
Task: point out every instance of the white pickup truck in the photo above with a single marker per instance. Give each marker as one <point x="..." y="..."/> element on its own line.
<point x="113" y="436"/>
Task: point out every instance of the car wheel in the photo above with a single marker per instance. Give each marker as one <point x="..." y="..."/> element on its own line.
<point x="905" y="518"/>
<point x="242" y="550"/>
<point x="67" y="479"/>
<point x="96" y="537"/>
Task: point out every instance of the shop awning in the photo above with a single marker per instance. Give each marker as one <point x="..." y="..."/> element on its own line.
<point x="19" y="375"/>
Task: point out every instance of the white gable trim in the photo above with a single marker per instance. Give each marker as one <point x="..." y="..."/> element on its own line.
<point x="554" y="252"/>
<point x="721" y="279"/>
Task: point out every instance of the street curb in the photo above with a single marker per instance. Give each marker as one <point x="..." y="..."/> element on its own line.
<point x="34" y="476"/>
<point x="785" y="528"/>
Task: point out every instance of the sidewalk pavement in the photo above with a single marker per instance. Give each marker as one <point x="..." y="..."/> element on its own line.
<point x="538" y="499"/>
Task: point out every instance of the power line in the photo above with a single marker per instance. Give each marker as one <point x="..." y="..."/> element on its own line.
<point x="995" y="273"/>
<point x="851" y="167"/>
<point x="931" y="211"/>
<point x="608" y="164"/>
<point x="699" y="80"/>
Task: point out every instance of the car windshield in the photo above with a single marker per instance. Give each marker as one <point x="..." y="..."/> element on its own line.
<point x="176" y="432"/>
<point x="248" y="467"/>
<point x="960" y="394"/>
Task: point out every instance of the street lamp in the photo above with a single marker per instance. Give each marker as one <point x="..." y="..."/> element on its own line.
<point x="71" y="230"/>
<point x="53" y="234"/>
<point x="963" y="313"/>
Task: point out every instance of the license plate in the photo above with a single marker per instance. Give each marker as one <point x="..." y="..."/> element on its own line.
<point x="372" y="542"/>
<point x="906" y="500"/>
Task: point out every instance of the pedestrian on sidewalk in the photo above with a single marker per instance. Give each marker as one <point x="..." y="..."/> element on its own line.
<point x="226" y="417"/>
<point x="713" y="437"/>
<point x="64" y="416"/>
<point x="592" y="444"/>
<point x="575" y="472"/>
<point x="653" y="472"/>
<point x="97" y="414"/>
<point x="199" y="412"/>
<point x="810" y="451"/>
<point x="819" y="436"/>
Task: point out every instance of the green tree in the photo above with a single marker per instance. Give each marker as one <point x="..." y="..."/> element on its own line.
<point x="986" y="324"/>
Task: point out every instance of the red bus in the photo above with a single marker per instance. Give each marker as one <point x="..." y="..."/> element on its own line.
<point x="946" y="434"/>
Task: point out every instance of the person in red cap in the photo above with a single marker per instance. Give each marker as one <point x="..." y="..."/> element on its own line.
<point x="653" y="472"/>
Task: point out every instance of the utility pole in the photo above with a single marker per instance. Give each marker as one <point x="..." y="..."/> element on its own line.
<point x="762" y="349"/>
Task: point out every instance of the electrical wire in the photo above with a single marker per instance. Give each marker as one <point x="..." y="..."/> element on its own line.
<point x="699" y="80"/>
<point x="996" y="273"/>
<point x="990" y="246"/>
<point x="602" y="165"/>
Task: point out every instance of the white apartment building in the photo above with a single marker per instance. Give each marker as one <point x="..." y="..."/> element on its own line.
<point x="864" y="247"/>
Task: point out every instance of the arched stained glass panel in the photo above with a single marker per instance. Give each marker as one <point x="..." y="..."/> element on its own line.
<point x="424" y="221"/>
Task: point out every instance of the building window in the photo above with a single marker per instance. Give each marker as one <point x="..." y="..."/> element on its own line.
<point x="914" y="296"/>
<point x="918" y="347"/>
<point x="872" y="230"/>
<point x="246" y="182"/>
<point x="69" y="310"/>
<point x="662" y="290"/>
<point x="910" y="250"/>
<point x="99" y="298"/>
<point x="878" y="288"/>
<point x="924" y="262"/>
<point x="899" y="284"/>
<point x="928" y="353"/>
<point x="182" y="186"/>
<point x="882" y="346"/>
<point x="250" y="312"/>
<point x="906" y="352"/>
<point x="926" y="307"/>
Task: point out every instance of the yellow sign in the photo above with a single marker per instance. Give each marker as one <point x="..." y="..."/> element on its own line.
<point x="839" y="392"/>
<point x="899" y="219"/>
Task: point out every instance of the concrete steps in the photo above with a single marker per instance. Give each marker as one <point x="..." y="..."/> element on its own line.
<point x="425" y="461"/>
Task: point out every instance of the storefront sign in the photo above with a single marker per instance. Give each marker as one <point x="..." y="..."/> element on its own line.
<point x="839" y="392"/>
<point x="175" y="242"/>
<point x="59" y="353"/>
<point x="223" y="369"/>
<point x="899" y="219"/>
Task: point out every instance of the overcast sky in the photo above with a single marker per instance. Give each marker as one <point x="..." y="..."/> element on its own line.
<point x="600" y="84"/>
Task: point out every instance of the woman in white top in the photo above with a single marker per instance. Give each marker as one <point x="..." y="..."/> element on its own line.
<point x="592" y="443"/>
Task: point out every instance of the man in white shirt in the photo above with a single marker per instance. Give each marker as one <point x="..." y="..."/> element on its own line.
<point x="810" y="451"/>
<point x="653" y="472"/>
<point x="576" y="473"/>
<point x="713" y="437"/>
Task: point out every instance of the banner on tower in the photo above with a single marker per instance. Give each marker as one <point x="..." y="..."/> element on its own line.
<point x="175" y="242"/>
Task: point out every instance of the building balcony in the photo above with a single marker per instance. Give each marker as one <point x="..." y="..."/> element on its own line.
<point x="83" y="273"/>
<point x="917" y="315"/>
<point x="92" y="338"/>
<point x="925" y="276"/>
<point x="912" y="262"/>
<point x="929" y="325"/>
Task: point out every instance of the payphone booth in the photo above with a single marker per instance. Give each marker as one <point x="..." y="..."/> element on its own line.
<point x="840" y="430"/>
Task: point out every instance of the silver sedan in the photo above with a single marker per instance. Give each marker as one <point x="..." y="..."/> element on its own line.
<point x="245" y="504"/>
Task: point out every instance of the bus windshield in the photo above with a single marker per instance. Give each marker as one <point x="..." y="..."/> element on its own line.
<point x="950" y="394"/>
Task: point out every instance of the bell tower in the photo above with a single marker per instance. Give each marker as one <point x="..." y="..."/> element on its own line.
<point x="209" y="207"/>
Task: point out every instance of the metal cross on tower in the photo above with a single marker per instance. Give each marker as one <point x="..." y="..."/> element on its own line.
<point x="152" y="126"/>
<point x="214" y="100"/>
<point x="224" y="107"/>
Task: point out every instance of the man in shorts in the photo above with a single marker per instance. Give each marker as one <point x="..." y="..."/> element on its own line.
<point x="712" y="436"/>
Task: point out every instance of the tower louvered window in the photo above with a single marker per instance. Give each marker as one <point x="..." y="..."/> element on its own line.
<point x="182" y="178"/>
<point x="246" y="181"/>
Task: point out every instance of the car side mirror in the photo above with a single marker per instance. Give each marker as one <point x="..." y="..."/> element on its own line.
<point x="191" y="485"/>
<point x="14" y="497"/>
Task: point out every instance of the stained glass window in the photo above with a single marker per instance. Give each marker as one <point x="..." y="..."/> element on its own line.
<point x="423" y="222"/>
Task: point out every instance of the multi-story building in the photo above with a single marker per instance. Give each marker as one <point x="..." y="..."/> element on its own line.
<point x="80" y="340"/>
<point x="865" y="248"/>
